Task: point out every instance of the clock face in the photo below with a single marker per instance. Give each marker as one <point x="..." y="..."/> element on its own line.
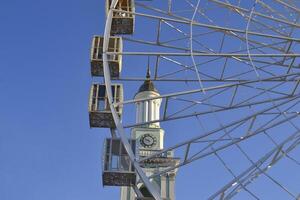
<point x="148" y="140"/>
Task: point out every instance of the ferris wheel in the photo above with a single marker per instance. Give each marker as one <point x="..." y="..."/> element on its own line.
<point x="224" y="77"/>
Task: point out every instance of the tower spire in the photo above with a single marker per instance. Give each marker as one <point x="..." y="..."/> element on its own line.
<point x="148" y="84"/>
<point x="148" y="75"/>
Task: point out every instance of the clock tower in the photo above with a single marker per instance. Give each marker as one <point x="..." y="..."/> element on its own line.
<point x="150" y="139"/>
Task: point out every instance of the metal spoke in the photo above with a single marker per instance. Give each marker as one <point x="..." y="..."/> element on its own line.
<point x="226" y="73"/>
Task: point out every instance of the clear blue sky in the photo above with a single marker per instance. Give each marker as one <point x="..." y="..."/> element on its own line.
<point x="47" y="150"/>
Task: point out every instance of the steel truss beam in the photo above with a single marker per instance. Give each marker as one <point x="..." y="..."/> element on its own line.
<point x="241" y="181"/>
<point x="280" y="77"/>
<point x="220" y="129"/>
<point x="220" y="28"/>
<point x="255" y="170"/>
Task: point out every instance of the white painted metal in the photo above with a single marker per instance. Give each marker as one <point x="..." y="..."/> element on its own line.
<point x="272" y="53"/>
<point x="119" y="126"/>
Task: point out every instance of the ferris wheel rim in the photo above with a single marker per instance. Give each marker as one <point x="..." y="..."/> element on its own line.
<point x="117" y="121"/>
<point x="108" y="80"/>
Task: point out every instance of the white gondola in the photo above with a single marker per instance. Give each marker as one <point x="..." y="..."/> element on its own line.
<point x="122" y="22"/>
<point x="99" y="111"/>
<point x="115" y="45"/>
<point x="118" y="169"/>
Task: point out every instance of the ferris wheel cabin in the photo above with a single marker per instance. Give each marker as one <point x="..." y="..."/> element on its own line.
<point x="117" y="168"/>
<point x="123" y="19"/>
<point x="99" y="111"/>
<point x="114" y="61"/>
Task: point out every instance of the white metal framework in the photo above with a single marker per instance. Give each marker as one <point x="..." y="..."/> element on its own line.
<point x="228" y="73"/>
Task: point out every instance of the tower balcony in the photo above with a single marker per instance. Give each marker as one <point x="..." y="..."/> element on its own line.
<point x="164" y="160"/>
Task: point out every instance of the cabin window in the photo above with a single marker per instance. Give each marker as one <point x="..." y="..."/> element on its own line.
<point x="124" y="5"/>
<point x="99" y="101"/>
<point x="116" y="157"/>
<point x="118" y="169"/>
<point x="145" y="192"/>
<point x="114" y="46"/>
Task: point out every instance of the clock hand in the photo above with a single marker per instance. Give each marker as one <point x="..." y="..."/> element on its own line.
<point x="147" y="140"/>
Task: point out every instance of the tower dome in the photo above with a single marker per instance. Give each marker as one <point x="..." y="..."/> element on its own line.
<point x="148" y="84"/>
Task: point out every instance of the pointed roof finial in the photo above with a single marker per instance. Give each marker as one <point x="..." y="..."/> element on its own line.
<point x="148" y="75"/>
<point x="148" y="84"/>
